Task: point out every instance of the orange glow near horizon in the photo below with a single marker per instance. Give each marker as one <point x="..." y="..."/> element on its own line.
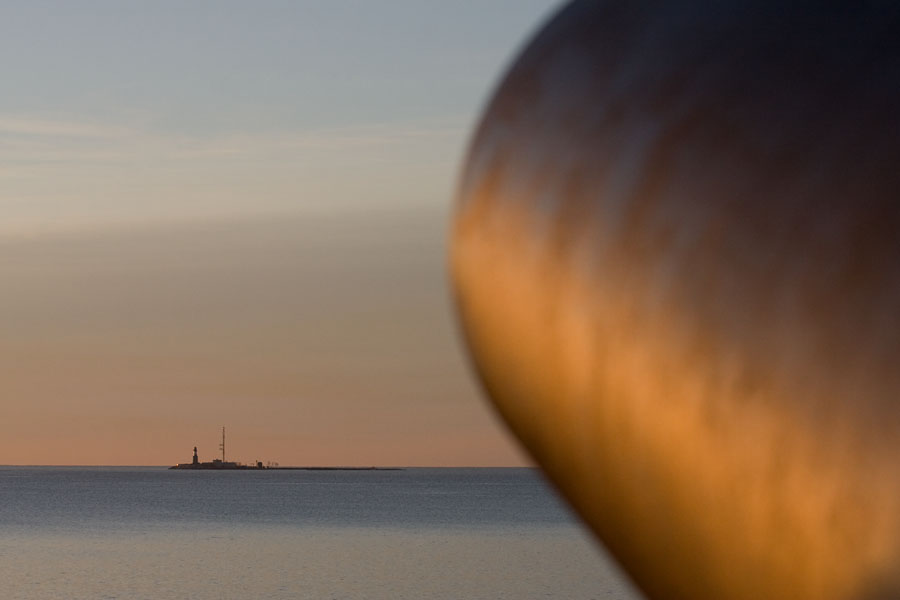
<point x="314" y="340"/>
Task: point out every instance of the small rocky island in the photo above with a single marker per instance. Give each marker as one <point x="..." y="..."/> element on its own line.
<point x="221" y="464"/>
<point x="216" y="463"/>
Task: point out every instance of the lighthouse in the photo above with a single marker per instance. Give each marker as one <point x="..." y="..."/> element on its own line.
<point x="196" y="460"/>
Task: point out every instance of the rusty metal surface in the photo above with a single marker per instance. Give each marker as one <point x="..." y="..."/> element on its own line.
<point x="676" y="256"/>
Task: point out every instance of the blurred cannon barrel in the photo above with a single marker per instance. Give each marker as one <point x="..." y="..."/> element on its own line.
<point x="676" y="258"/>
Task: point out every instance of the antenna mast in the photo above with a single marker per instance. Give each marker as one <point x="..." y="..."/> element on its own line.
<point x="222" y="445"/>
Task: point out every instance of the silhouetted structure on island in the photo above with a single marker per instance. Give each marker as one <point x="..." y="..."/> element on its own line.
<point x="216" y="463"/>
<point x="222" y="464"/>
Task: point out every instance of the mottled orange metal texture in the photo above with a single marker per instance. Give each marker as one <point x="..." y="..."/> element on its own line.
<point x="676" y="257"/>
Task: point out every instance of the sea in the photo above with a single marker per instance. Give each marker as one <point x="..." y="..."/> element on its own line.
<point x="152" y="533"/>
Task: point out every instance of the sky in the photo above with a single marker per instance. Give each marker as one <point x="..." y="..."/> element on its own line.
<point x="235" y="214"/>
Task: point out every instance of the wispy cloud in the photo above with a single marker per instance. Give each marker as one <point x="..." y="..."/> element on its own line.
<point x="359" y="138"/>
<point x="57" y="174"/>
<point x="38" y="141"/>
<point x="37" y="127"/>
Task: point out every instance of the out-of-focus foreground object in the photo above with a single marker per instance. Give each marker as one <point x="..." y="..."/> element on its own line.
<point x="676" y="255"/>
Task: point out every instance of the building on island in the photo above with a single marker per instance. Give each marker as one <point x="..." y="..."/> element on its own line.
<point x="216" y="463"/>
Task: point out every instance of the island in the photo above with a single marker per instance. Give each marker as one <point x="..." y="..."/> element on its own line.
<point x="220" y="464"/>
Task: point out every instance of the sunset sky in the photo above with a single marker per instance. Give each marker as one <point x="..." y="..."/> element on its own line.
<point x="233" y="213"/>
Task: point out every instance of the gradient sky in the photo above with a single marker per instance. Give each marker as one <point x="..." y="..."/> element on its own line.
<point x="234" y="213"/>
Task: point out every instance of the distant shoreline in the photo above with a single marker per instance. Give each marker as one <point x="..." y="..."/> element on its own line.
<point x="251" y="468"/>
<point x="334" y="469"/>
<point x="307" y="468"/>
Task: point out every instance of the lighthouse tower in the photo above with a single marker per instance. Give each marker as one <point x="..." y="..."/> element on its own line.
<point x="196" y="460"/>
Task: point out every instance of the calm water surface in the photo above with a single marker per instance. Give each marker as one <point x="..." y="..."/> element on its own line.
<point x="417" y="533"/>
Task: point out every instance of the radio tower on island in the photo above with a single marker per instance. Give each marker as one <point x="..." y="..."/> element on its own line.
<point x="216" y="463"/>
